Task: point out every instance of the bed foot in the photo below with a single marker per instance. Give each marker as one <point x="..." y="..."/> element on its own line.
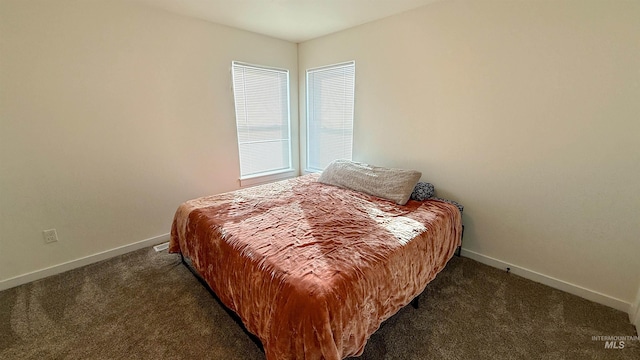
<point x="459" y="249"/>
<point x="416" y="302"/>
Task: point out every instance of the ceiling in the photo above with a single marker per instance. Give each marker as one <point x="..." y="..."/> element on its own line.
<point x="292" y="20"/>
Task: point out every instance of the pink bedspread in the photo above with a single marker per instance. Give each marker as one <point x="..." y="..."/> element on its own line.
<point x="311" y="269"/>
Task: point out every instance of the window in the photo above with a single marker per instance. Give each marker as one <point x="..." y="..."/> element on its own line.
<point x="330" y="93"/>
<point x="262" y="117"/>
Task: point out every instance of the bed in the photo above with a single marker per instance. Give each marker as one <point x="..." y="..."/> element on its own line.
<point x="312" y="270"/>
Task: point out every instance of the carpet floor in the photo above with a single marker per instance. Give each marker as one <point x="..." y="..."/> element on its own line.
<point x="147" y="305"/>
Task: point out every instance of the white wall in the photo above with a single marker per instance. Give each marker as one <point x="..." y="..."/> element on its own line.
<point x="111" y="115"/>
<point x="526" y="112"/>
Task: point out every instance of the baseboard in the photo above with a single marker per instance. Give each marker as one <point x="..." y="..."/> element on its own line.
<point x="73" y="264"/>
<point x="634" y="313"/>
<point x="550" y="281"/>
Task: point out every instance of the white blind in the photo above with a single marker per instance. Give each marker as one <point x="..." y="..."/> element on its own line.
<point x="262" y="117"/>
<point x="330" y="101"/>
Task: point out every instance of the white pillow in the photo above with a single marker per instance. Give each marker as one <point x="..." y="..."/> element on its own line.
<point x="391" y="184"/>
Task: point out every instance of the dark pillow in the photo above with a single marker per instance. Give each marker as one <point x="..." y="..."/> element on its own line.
<point x="423" y="191"/>
<point x="460" y="207"/>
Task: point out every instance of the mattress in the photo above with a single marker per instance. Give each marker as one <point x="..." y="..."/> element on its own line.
<point x="311" y="269"/>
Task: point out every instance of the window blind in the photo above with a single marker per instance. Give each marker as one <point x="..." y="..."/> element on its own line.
<point x="330" y="104"/>
<point x="262" y="118"/>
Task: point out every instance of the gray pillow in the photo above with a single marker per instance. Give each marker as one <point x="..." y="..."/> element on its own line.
<point x="460" y="206"/>
<point x="423" y="191"/>
<point x="391" y="184"/>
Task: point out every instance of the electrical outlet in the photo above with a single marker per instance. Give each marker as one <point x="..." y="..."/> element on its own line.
<point x="50" y="236"/>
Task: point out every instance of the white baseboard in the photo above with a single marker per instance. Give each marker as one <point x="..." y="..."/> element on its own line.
<point x="550" y="281"/>
<point x="73" y="264"/>
<point x="634" y="313"/>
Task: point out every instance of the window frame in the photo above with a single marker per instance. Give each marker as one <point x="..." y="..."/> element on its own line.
<point x="269" y="175"/>
<point x="308" y="168"/>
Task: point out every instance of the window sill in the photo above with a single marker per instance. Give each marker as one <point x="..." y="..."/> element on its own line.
<point x="267" y="178"/>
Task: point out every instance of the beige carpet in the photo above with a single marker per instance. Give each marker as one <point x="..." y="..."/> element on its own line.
<point x="147" y="305"/>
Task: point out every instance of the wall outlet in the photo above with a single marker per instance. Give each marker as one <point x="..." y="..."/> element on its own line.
<point x="50" y="236"/>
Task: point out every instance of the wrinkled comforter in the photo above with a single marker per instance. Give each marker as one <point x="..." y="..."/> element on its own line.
<point x="312" y="269"/>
